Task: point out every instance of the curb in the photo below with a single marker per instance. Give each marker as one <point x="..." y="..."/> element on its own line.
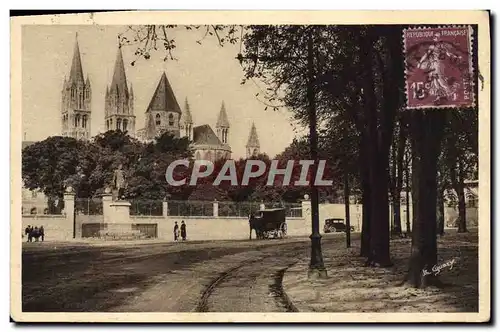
<point x="284" y="295"/>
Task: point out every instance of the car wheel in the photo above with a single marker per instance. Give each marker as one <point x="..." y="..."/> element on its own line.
<point x="334" y="230"/>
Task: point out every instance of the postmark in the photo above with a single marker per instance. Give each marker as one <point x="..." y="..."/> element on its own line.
<point x="438" y="67"/>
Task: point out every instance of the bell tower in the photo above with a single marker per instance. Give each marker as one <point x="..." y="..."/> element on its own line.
<point x="119" y="101"/>
<point x="76" y="100"/>
<point x="222" y="125"/>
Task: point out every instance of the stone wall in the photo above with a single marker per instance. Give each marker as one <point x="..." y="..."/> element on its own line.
<point x="56" y="227"/>
<point x="451" y="215"/>
<point x="223" y="228"/>
<point x="60" y="227"/>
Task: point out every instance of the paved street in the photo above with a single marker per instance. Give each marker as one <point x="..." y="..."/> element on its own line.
<point x="162" y="277"/>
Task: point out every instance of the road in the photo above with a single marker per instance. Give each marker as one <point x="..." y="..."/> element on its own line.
<point x="211" y="276"/>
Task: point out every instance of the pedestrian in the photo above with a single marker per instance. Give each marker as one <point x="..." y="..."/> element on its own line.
<point x="30" y="234"/>
<point x="42" y="233"/>
<point x="183" y="231"/>
<point x="27" y="232"/>
<point x="176" y="232"/>
<point x="36" y="233"/>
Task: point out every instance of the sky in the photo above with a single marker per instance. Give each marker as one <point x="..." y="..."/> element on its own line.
<point x="206" y="74"/>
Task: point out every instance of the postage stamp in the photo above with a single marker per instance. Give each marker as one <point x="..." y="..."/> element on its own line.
<point x="439" y="71"/>
<point x="215" y="169"/>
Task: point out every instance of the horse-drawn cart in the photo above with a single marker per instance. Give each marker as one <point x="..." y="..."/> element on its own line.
<point x="268" y="223"/>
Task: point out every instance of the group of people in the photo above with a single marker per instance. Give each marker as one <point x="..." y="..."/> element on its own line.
<point x="34" y="232"/>
<point x="182" y="231"/>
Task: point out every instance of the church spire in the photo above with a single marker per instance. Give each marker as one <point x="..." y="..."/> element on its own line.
<point x="253" y="144"/>
<point x="253" y="139"/>
<point x="186" y="116"/>
<point x="119" y="78"/>
<point x="76" y="72"/>
<point x="222" y="125"/>
<point x="222" y="121"/>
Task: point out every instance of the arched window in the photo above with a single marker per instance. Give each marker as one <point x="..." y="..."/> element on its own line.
<point x="158" y="121"/>
<point x="198" y="155"/>
<point x="84" y="121"/>
<point x="110" y="124"/>
<point x="170" y="119"/>
<point x="255" y="152"/>
<point x="125" y="124"/>
<point x="33" y="210"/>
<point x="118" y="124"/>
<point x="208" y="155"/>
<point x="107" y="124"/>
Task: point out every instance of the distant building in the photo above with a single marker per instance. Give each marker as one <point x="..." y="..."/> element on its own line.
<point x="76" y="100"/>
<point x="165" y="115"/>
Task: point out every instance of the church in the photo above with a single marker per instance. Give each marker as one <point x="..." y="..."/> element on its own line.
<point x="163" y="113"/>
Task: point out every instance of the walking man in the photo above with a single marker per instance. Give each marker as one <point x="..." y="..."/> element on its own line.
<point x="30" y="234"/>
<point x="176" y="232"/>
<point x="36" y="233"/>
<point x="183" y="231"/>
<point x="42" y="232"/>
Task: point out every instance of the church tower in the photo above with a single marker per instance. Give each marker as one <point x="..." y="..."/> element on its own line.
<point x="75" y="101"/>
<point x="119" y="101"/>
<point x="222" y="125"/>
<point x="163" y="113"/>
<point x="253" y="145"/>
<point x="187" y="122"/>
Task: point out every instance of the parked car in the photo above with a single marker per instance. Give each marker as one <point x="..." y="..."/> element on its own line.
<point x="335" y="225"/>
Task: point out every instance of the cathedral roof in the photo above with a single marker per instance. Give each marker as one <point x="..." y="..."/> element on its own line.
<point x="253" y="139"/>
<point x="222" y="120"/>
<point x="186" y="115"/>
<point x="119" y="78"/>
<point x="76" y="72"/>
<point x="164" y="97"/>
<point x="205" y="135"/>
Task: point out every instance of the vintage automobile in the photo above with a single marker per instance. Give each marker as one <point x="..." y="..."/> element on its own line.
<point x="335" y="225"/>
<point x="268" y="223"/>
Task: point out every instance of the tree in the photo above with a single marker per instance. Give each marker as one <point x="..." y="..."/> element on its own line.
<point x="50" y="165"/>
<point x="426" y="129"/>
<point x="147" y="173"/>
<point x="107" y="151"/>
<point x="461" y="155"/>
<point x="397" y="170"/>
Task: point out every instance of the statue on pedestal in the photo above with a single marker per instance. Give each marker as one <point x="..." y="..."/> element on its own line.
<point x="119" y="183"/>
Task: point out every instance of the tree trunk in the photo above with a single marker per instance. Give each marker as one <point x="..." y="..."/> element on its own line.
<point x="392" y="188"/>
<point x="399" y="177"/>
<point x="440" y="211"/>
<point x="457" y="183"/>
<point x="426" y="134"/>
<point x="407" y="170"/>
<point x="396" y="205"/>
<point x="462" y="218"/>
<point x="347" y="213"/>
<point x="365" y="199"/>
<point x="380" y="232"/>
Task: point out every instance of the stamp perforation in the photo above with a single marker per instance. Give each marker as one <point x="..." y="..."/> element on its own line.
<point x="470" y="41"/>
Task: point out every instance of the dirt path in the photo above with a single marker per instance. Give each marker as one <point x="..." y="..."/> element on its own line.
<point x="148" y="277"/>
